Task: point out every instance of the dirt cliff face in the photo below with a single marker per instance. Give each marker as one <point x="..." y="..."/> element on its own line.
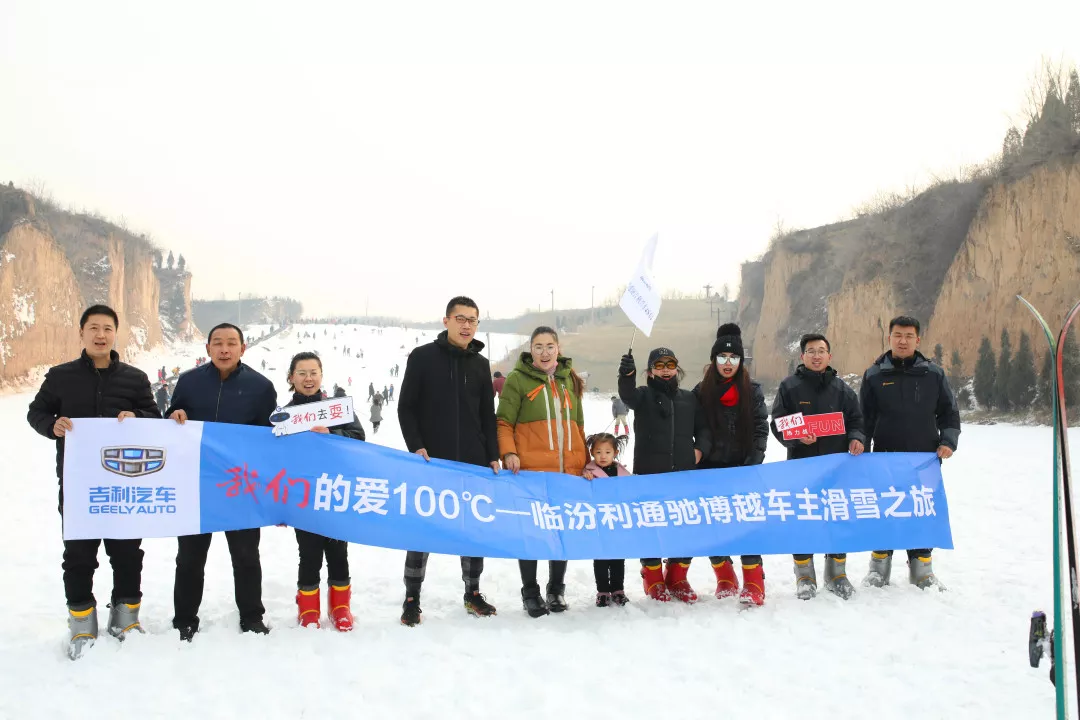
<point x="955" y="258"/>
<point x="55" y="264"/>
<point x="1025" y="240"/>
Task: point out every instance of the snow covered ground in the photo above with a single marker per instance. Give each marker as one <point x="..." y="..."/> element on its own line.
<point x="890" y="653"/>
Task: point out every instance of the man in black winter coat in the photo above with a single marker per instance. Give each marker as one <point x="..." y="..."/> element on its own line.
<point x="446" y="409"/>
<point x="814" y="389"/>
<point x="162" y="398"/>
<point x="907" y="406"/>
<point x="95" y="385"/>
<point x="224" y="390"/>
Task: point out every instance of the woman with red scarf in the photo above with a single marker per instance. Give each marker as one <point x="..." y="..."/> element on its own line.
<point x="739" y="423"/>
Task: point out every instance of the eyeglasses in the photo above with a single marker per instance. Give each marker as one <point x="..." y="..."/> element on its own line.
<point x="725" y="360"/>
<point x="462" y="320"/>
<point x="305" y="374"/>
<point x="814" y="353"/>
<point x="670" y="365"/>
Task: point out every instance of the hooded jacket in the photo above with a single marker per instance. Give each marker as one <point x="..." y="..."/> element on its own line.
<point x="541" y="420"/>
<point x="446" y="404"/>
<point x="908" y="406"/>
<point x="814" y="393"/>
<point x="352" y="430"/>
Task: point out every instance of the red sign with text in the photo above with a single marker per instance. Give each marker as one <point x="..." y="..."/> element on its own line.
<point x="822" y="425"/>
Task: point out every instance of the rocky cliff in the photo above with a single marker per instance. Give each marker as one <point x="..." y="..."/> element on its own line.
<point x="54" y="264"/>
<point x="955" y="257"/>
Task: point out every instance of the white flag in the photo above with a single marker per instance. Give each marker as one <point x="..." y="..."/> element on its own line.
<point x="641" y="301"/>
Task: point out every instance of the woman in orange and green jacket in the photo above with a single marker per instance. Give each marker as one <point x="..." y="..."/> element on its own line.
<point x="541" y="427"/>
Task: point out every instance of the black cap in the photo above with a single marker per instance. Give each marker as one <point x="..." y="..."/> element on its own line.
<point x="728" y="339"/>
<point x="662" y="352"/>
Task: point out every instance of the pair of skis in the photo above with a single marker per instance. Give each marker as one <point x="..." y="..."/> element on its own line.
<point x="1062" y="499"/>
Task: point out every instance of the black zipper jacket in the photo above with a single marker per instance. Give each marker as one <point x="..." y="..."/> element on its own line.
<point x="908" y="406"/>
<point x="814" y="393"/>
<point x="243" y="398"/>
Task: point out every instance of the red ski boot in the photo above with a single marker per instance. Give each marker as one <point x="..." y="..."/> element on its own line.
<point x="753" y="592"/>
<point x="652" y="577"/>
<point x="339" y="612"/>
<point x="677" y="584"/>
<point x="307" y="606"/>
<point x="727" y="582"/>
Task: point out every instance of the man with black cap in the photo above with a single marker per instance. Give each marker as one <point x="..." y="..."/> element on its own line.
<point x="671" y="436"/>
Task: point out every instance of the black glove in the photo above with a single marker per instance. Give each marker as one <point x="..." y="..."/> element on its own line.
<point x="626" y="366"/>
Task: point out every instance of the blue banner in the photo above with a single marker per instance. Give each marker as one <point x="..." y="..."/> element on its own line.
<point x="372" y="495"/>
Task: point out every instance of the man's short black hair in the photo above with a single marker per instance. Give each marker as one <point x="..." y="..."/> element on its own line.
<point x="464" y="302"/>
<point x="224" y="326"/>
<point x="813" y="337"/>
<point x="905" y="321"/>
<point x="98" y="310"/>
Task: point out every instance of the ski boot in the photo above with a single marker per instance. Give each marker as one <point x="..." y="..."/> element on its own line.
<point x="727" y="582"/>
<point x="410" y="612"/>
<point x="476" y="604"/>
<point x="921" y="574"/>
<point x="124" y="618"/>
<point x="880" y="570"/>
<point x="307" y="606"/>
<point x="532" y="602"/>
<point x="83" y="624"/>
<point x="677" y="584"/>
<point x="618" y="598"/>
<point x="753" y="592"/>
<point x="338" y="606"/>
<point x="652" y="578"/>
<point x="836" y="580"/>
<point x="805" y="579"/>
<point x="556" y="600"/>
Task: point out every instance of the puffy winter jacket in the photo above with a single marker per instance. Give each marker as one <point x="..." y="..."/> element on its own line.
<point x="618" y="408"/>
<point x="446" y="404"/>
<point x="908" y="406"/>
<point x="594" y="471"/>
<point x="352" y="430"/>
<point x="77" y="389"/>
<point x="669" y="424"/>
<point x="814" y="393"/>
<point x="541" y="420"/>
<point x="243" y="398"/>
<point x="724" y="451"/>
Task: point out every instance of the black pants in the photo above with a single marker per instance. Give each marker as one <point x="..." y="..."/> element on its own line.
<point x="80" y="562"/>
<point x="911" y="554"/>
<point x="556" y="574"/>
<point x="416" y="569"/>
<point x="312" y="549"/>
<point x="190" y="571"/>
<point x="609" y="574"/>
<point x="838" y="556"/>
<point x="714" y="559"/>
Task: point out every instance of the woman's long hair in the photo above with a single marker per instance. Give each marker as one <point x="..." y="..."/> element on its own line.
<point x="578" y="383"/>
<point x="710" y="400"/>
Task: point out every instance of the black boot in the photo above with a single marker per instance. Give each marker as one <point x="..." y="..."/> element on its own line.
<point x="555" y="601"/>
<point x="534" y="604"/>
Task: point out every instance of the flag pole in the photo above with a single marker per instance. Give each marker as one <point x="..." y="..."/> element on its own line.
<point x="632" y="339"/>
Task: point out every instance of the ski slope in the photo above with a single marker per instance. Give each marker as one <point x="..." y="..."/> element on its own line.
<point x="888" y="653"/>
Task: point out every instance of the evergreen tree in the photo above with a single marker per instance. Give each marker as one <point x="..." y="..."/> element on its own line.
<point x="939" y="356"/>
<point x="1004" y="373"/>
<point x="158" y="260"/>
<point x="1022" y="378"/>
<point x="1044" y="396"/>
<point x="169" y="262"/>
<point x="1072" y="100"/>
<point x="181" y="263"/>
<point x="1070" y="369"/>
<point x="985" y="370"/>
<point x="956" y="371"/>
<point x="1012" y="147"/>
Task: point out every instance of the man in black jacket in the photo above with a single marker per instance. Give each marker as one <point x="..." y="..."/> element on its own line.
<point x="224" y="390"/>
<point x="95" y="385"/>
<point x="907" y="407"/>
<point x="814" y="389"/>
<point x="446" y="410"/>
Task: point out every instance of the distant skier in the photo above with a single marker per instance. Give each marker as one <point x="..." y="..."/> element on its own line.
<point x="162" y="398"/>
<point x="376" y="412"/>
<point x="497" y="383"/>
<point x="370" y="391"/>
<point x="263" y="364"/>
<point x="386" y="394"/>
<point x="350" y="381"/>
<point x="391" y="392"/>
<point x="619" y="411"/>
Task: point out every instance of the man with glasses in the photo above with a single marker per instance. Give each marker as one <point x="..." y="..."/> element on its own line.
<point x="446" y="409"/>
<point x="815" y="388"/>
<point x="907" y="406"/>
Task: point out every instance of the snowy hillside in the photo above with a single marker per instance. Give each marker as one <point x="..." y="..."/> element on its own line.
<point x="892" y="653"/>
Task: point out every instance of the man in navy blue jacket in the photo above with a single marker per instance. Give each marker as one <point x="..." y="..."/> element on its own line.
<point x="227" y="391"/>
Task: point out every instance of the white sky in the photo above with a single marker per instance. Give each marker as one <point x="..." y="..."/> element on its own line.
<point x="399" y="153"/>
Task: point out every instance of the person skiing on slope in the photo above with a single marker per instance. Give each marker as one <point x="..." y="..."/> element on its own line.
<point x="376" y="412"/>
<point x="370" y="391"/>
<point x="671" y="435"/>
<point x="391" y="398"/>
<point x="619" y="411"/>
<point x="815" y="388"/>
<point x="305" y="380"/>
<point x="97" y="384"/>
<point x="907" y="406"/>
<point x="738" y="423"/>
